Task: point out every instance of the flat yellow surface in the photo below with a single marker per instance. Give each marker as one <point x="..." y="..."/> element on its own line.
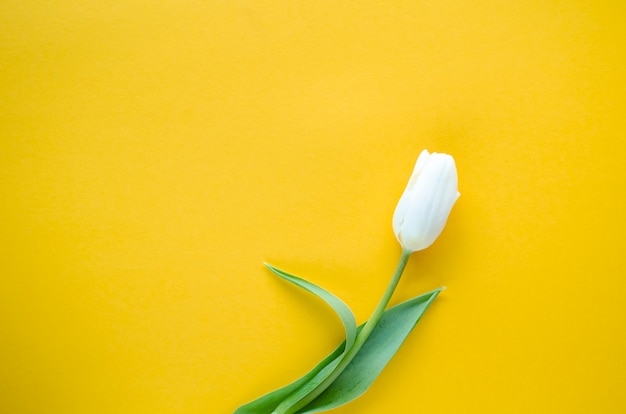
<point x="154" y="153"/>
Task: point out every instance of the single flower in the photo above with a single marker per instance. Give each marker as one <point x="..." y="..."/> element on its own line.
<point x="423" y="209"/>
<point x="348" y="371"/>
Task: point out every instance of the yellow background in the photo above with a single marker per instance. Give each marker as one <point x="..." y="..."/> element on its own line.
<point x="154" y="153"/>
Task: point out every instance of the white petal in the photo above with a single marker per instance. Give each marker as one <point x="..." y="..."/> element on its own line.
<point x="421" y="161"/>
<point x="403" y="204"/>
<point x="432" y="197"/>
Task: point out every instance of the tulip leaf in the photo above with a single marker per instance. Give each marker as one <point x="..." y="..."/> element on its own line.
<point x="394" y="326"/>
<point x="267" y="403"/>
<point x="342" y="310"/>
<point x="300" y="388"/>
<point x="385" y="340"/>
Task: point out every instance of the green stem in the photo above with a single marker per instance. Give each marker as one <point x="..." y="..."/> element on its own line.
<point x="360" y="339"/>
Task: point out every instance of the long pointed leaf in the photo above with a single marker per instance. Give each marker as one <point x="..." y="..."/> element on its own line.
<point x="385" y="340"/>
<point x="267" y="403"/>
<point x="342" y="310"/>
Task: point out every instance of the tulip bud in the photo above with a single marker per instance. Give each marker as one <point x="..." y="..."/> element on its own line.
<point x="423" y="209"/>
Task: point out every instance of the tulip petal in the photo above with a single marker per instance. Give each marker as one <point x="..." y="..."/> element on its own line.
<point x="403" y="205"/>
<point x="428" y="203"/>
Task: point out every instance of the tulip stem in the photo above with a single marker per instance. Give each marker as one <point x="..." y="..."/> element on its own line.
<point x="382" y="304"/>
<point x="361" y="337"/>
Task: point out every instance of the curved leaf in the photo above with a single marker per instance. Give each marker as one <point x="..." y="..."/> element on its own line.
<point x="342" y="310"/>
<point x="267" y="403"/>
<point x="298" y="389"/>
<point x="393" y="328"/>
<point x="385" y="340"/>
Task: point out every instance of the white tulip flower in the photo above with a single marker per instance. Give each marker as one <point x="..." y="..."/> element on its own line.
<point x="423" y="209"/>
<point x="419" y="219"/>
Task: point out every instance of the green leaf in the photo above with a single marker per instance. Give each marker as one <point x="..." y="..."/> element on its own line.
<point x="300" y="388"/>
<point x="343" y="311"/>
<point x="385" y="340"/>
<point x="391" y="331"/>
<point x="267" y="403"/>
